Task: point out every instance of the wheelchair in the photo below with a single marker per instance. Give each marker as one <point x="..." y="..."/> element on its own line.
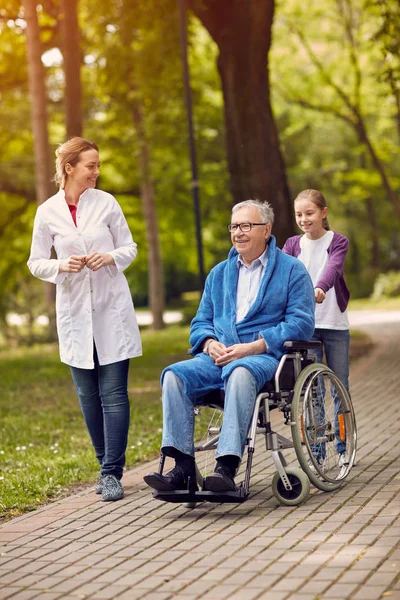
<point x="317" y="408"/>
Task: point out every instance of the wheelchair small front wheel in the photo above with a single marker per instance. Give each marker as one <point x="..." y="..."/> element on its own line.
<point x="300" y="487"/>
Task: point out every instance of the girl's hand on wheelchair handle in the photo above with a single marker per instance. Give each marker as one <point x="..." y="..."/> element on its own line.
<point x="319" y="295"/>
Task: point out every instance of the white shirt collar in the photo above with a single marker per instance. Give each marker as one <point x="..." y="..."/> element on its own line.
<point x="262" y="259"/>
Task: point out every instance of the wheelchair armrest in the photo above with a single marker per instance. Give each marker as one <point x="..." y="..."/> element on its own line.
<point x="301" y="345"/>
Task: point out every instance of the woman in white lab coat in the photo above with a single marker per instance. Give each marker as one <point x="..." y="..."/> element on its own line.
<point x="96" y="322"/>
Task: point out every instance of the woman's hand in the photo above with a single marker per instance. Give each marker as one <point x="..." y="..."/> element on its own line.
<point x="95" y="260"/>
<point x="319" y="295"/>
<point x="73" y="264"/>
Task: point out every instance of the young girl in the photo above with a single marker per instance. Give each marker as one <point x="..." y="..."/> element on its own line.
<point x="323" y="252"/>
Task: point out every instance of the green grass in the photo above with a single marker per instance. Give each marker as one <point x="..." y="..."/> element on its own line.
<point x="44" y="447"/>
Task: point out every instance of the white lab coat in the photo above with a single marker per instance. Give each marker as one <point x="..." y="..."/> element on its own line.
<point x="90" y="305"/>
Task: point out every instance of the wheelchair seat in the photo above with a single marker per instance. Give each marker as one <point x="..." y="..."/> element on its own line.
<point x="287" y="375"/>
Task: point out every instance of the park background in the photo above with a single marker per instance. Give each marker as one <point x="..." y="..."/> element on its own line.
<point x="285" y="96"/>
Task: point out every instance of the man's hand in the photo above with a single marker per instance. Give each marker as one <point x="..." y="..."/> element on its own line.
<point x="73" y="264"/>
<point x="319" y="295"/>
<point x="216" y="349"/>
<point x="95" y="260"/>
<point x="239" y="351"/>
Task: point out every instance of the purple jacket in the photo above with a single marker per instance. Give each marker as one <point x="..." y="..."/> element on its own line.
<point x="333" y="274"/>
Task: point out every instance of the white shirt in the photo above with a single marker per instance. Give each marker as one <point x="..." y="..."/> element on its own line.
<point x="90" y="305"/>
<point x="249" y="282"/>
<point x="314" y="255"/>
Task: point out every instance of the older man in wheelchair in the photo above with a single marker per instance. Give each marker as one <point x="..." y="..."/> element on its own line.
<point x="252" y="304"/>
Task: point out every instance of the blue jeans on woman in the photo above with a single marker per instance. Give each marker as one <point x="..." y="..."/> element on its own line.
<point x="335" y="343"/>
<point x="103" y="397"/>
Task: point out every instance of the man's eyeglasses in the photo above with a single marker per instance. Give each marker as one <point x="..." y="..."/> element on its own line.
<point x="245" y="227"/>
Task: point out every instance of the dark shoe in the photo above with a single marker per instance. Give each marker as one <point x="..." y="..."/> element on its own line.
<point x="221" y="480"/>
<point x="99" y="484"/>
<point x="112" y="489"/>
<point x="176" y="479"/>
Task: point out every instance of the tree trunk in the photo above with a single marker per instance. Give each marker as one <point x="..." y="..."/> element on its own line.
<point x="72" y="67"/>
<point x="242" y="32"/>
<point x="373" y="224"/>
<point x="371" y="215"/>
<point x="43" y="173"/>
<point x="44" y="187"/>
<point x="147" y="194"/>
<point x="155" y="268"/>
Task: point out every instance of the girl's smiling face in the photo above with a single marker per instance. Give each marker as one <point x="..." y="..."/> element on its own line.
<point x="309" y="218"/>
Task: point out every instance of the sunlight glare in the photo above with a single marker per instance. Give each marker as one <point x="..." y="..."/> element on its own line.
<point x="52" y="58"/>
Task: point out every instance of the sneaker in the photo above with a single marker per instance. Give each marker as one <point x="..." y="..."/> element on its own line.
<point x="112" y="489"/>
<point x="221" y="480"/>
<point x="321" y="465"/>
<point x="176" y="479"/>
<point x="343" y="463"/>
<point x="99" y="484"/>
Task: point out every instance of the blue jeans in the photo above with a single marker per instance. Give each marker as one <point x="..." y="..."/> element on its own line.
<point x="178" y="415"/>
<point x="103" y="397"/>
<point x="335" y="344"/>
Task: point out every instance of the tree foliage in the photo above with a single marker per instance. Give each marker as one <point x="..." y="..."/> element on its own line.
<point x="334" y="73"/>
<point x="337" y="115"/>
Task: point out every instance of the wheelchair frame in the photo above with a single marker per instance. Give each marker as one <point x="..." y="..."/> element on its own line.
<point x="293" y="392"/>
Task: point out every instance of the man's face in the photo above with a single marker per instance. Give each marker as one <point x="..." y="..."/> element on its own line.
<point x="250" y="244"/>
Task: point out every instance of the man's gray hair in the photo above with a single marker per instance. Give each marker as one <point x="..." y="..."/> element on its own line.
<point x="266" y="210"/>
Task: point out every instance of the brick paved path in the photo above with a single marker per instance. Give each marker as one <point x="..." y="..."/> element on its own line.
<point x="342" y="545"/>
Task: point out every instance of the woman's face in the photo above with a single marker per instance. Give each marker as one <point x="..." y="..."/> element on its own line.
<point x="86" y="171"/>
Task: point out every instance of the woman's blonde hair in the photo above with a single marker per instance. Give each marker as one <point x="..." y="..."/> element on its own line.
<point x="69" y="152"/>
<point x="316" y="198"/>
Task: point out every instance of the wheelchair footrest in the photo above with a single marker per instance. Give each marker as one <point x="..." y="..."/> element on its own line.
<point x="237" y="496"/>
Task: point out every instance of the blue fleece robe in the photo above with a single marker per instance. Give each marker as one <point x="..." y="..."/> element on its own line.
<point x="283" y="310"/>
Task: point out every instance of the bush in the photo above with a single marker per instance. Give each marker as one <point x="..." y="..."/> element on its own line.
<point x="361" y="284"/>
<point x="387" y="285"/>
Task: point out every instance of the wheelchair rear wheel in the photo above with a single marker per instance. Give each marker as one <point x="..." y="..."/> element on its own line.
<point x="323" y="427"/>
